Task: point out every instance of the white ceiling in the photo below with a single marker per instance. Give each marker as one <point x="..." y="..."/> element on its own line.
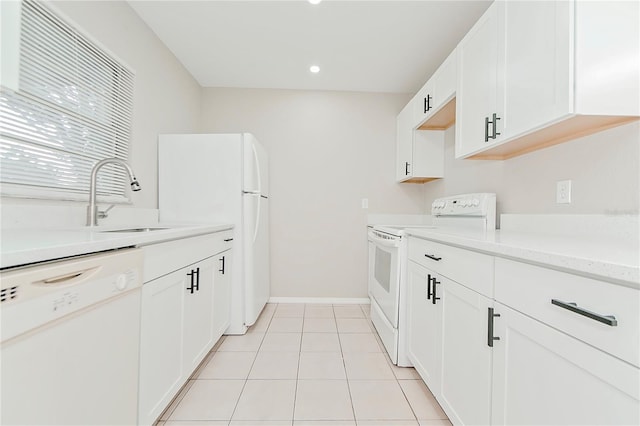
<point x="370" y="46"/>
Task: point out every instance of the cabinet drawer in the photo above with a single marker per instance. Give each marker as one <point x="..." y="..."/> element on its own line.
<point x="469" y="268"/>
<point x="531" y="290"/>
<point x="163" y="258"/>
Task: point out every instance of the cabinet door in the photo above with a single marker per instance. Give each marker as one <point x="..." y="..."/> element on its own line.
<point x="425" y="332"/>
<point x="404" y="143"/>
<point x="198" y="309"/>
<point x="545" y="377"/>
<point x="445" y="81"/>
<point x="428" y="155"/>
<point x="424" y="103"/>
<point x="160" y="345"/>
<point x="478" y="84"/>
<point x="222" y="295"/>
<point x="538" y="80"/>
<point x="465" y="394"/>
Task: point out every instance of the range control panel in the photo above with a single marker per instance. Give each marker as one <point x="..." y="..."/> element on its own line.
<point x="480" y="204"/>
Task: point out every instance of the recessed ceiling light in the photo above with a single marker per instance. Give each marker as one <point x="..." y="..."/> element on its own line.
<point x="314" y="1"/>
<point x="314" y="69"/>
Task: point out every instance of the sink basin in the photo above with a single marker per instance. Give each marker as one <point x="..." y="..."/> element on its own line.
<point x="135" y="230"/>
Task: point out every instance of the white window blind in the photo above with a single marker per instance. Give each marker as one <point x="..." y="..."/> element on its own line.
<point x="72" y="108"/>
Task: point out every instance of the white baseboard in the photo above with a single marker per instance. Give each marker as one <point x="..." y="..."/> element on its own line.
<point x="322" y="300"/>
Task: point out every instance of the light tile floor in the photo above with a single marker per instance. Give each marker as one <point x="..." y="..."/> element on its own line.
<point x="304" y="365"/>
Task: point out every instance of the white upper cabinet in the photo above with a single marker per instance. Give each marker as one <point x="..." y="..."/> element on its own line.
<point x="423" y="103"/>
<point x="434" y="105"/>
<point x="536" y="80"/>
<point x="404" y="143"/>
<point x="533" y="74"/>
<point x="420" y="140"/>
<point x="420" y="153"/>
<point x="476" y="99"/>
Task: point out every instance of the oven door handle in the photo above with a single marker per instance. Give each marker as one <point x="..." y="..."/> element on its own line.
<point x="383" y="241"/>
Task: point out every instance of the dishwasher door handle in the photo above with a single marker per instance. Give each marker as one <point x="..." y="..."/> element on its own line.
<point x="68" y="279"/>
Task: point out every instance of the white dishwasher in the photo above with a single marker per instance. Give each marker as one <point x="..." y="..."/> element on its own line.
<point x="70" y="340"/>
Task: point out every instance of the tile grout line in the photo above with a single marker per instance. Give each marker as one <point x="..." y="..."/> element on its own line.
<point x="344" y="365"/>
<point x="244" y="385"/>
<point x="177" y="400"/>
<point x="406" y="398"/>
<point x="295" y="391"/>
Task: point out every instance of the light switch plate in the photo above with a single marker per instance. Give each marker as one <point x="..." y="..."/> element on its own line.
<point x="563" y="192"/>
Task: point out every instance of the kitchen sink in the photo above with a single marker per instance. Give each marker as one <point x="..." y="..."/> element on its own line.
<point x="135" y="230"/>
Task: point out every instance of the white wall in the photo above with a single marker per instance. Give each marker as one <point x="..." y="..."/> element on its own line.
<point x="166" y="97"/>
<point x="604" y="169"/>
<point x="328" y="150"/>
<point x="331" y="149"/>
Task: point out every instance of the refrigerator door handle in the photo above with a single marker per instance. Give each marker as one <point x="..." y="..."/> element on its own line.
<point x="256" y="161"/>
<point x="257" y="223"/>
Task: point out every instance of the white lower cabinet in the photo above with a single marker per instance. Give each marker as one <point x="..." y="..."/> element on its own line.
<point x="448" y="344"/>
<point x="425" y="326"/>
<point x="542" y="376"/>
<point x="465" y="391"/>
<point x="197" y="326"/>
<point x="514" y="356"/>
<point x="160" y="345"/>
<point x="184" y="313"/>
<point x="222" y="295"/>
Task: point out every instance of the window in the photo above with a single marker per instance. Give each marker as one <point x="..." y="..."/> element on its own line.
<point x="72" y="107"/>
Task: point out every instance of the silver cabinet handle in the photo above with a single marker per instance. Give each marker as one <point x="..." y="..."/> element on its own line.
<point x="490" y="337"/>
<point x="434" y="297"/>
<point x="610" y="320"/>
<point x="486" y="129"/>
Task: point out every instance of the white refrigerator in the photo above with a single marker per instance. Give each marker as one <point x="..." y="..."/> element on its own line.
<point x="215" y="178"/>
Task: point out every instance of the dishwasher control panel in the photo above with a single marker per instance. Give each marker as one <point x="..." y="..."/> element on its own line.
<point x="43" y="293"/>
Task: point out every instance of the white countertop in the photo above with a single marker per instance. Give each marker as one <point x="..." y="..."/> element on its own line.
<point x="598" y="258"/>
<point x="21" y="246"/>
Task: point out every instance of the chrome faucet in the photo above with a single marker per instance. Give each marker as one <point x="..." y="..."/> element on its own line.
<point x="92" y="209"/>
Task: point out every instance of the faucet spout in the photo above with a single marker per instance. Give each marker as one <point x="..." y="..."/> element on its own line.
<point x="92" y="208"/>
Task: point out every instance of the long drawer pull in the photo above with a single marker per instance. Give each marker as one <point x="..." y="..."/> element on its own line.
<point x="610" y="320"/>
<point x="433" y="257"/>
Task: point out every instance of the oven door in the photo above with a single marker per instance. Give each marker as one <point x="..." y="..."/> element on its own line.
<point x="384" y="274"/>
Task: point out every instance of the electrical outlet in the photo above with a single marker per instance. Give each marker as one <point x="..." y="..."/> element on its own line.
<point x="365" y="203"/>
<point x="563" y="192"/>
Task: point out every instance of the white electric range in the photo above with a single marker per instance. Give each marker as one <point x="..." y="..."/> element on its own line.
<point x="388" y="262"/>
